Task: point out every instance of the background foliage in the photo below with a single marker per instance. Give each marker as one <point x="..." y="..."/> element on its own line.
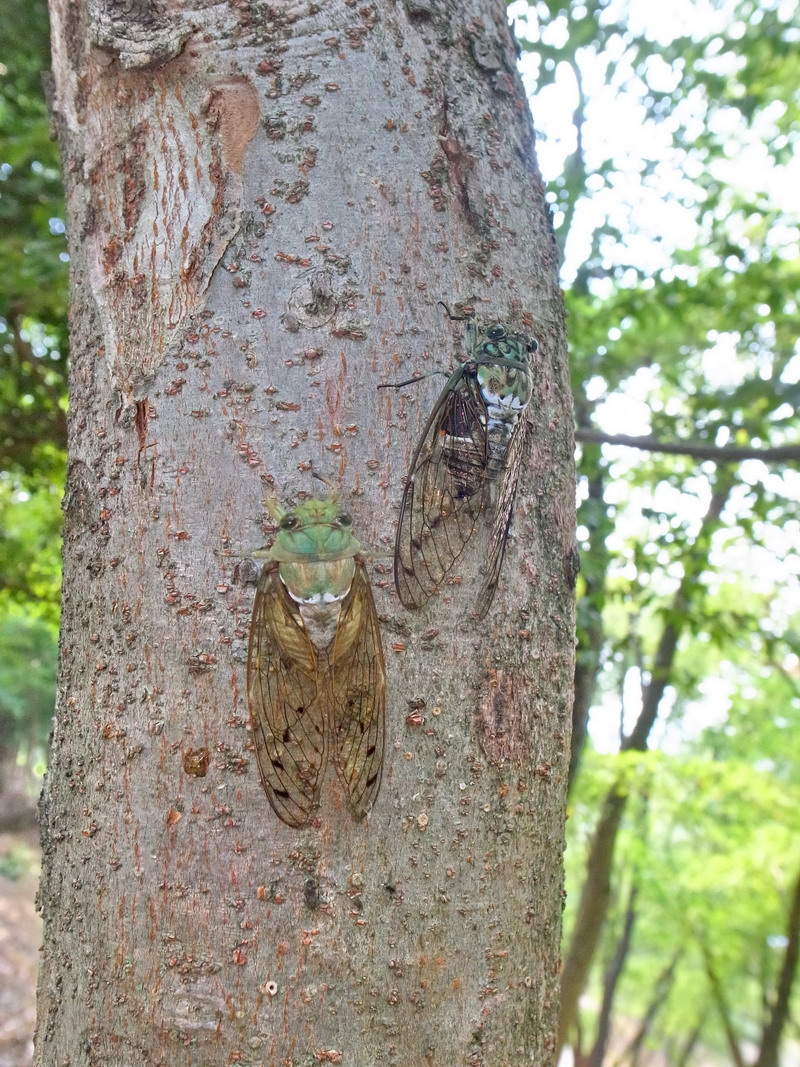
<point x="33" y="276"/>
<point x="670" y="142"/>
<point x="669" y="139"/>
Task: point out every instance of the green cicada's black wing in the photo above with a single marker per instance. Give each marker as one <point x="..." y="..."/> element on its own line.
<point x="502" y="512"/>
<point x="358" y="682"/>
<point x="446" y="492"/>
<point x="286" y="698"/>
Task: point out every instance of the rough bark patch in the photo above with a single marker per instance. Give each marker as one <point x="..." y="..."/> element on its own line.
<point x="504" y="717"/>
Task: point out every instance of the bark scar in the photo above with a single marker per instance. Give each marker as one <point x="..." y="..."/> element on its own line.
<point x="166" y="200"/>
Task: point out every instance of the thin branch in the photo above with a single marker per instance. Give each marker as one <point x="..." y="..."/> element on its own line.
<point x="577" y="161"/>
<point x="664" y="658"/>
<point x="587" y="662"/>
<point x="718" y="995"/>
<point x="612" y="976"/>
<point x="660" y="993"/>
<point x="682" y="1059"/>
<point x="695" y="449"/>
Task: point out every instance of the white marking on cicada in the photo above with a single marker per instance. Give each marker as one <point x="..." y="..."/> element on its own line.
<point x="320" y="615"/>
<point x="503" y="412"/>
<point x="318" y="598"/>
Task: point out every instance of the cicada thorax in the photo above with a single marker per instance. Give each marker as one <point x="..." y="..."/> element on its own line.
<point x="502" y="391"/>
<point x="506" y="391"/>
<point x="319" y="588"/>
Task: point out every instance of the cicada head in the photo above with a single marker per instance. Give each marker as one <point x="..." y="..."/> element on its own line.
<point x="314" y="530"/>
<point x="496" y="341"/>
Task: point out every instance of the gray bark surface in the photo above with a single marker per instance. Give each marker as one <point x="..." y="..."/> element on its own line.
<point x="265" y="204"/>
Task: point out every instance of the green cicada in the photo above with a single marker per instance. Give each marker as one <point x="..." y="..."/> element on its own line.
<point x="465" y="467"/>
<point x="315" y="670"/>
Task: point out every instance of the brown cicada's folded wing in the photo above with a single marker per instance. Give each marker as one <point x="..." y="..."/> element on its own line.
<point x="286" y="699"/>
<point x="358" y="681"/>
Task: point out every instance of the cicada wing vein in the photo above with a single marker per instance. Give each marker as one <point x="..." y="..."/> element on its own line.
<point x="446" y="492"/>
<point x="286" y="698"/>
<point x="358" y="682"/>
<point x="502" y="513"/>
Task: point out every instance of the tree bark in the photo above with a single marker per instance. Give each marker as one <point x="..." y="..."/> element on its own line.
<point x="265" y="204"/>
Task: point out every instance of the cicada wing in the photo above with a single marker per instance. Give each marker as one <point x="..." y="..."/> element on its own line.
<point x="358" y="680"/>
<point x="286" y="700"/>
<point x="501" y="518"/>
<point x="446" y="491"/>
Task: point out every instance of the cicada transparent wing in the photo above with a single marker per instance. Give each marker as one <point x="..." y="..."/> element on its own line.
<point x="446" y="491"/>
<point x="286" y="700"/>
<point x="501" y="519"/>
<point x="358" y="682"/>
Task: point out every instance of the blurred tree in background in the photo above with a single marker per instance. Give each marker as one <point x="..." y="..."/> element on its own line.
<point x="670" y="142"/>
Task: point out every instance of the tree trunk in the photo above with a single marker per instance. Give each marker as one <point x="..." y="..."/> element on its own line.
<point x="265" y="204"/>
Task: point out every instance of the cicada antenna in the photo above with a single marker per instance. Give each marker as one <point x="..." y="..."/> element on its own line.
<point x="411" y="381"/>
<point x="274" y="510"/>
<point x="451" y="316"/>
<point x="334" y="488"/>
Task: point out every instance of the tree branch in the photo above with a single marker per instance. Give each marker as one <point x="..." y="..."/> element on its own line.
<point x="667" y="647"/>
<point x="661" y="991"/>
<point x="682" y="1059"/>
<point x="695" y="449"/>
<point x="587" y="661"/>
